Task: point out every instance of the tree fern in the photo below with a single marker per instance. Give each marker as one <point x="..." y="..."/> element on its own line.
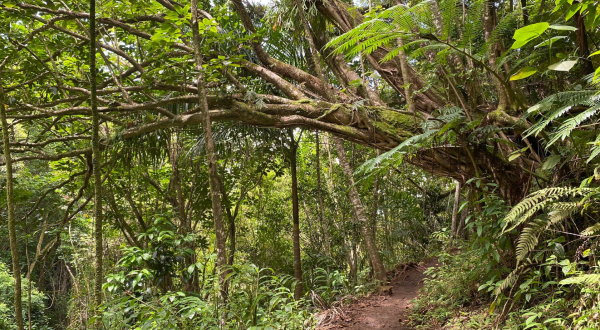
<point x="450" y="10"/>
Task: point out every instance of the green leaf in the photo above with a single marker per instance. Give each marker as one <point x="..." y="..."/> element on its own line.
<point x="551" y="162"/>
<point x="561" y="55"/>
<point x="528" y="33"/>
<point x="523" y="73"/>
<point x="596" y="74"/>
<point x="513" y="157"/>
<point x="531" y="31"/>
<point x="562" y="66"/>
<point x="496" y="255"/>
<point x="8" y="4"/>
<point x="594" y="53"/>
<point x="590" y="18"/>
<point x="520" y="43"/>
<point x="355" y="83"/>
<point x="562" y="27"/>
<point x="572" y="10"/>
<point x="492" y="307"/>
<point x="549" y="41"/>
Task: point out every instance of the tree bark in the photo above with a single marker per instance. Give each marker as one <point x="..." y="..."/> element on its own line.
<point x="455" y="210"/>
<point x="96" y="163"/>
<point x="361" y="214"/>
<point x="295" y="218"/>
<point x="10" y="201"/>
<point x="220" y="238"/>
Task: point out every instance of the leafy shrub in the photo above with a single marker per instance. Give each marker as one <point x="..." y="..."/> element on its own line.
<point x="258" y="300"/>
<point x="7" y="307"/>
<point x="439" y="301"/>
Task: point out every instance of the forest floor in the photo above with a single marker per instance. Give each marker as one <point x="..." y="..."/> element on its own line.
<point x="388" y="310"/>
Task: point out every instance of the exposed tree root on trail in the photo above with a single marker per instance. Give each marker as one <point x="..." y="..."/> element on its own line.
<point x="387" y="310"/>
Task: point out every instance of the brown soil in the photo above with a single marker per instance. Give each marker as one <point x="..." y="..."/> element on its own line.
<point x="388" y="310"/>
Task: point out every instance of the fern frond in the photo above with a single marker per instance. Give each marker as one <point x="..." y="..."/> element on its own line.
<point x="530" y="235"/>
<point x="587" y="279"/>
<point x="407" y="147"/>
<point x="510" y="280"/>
<point x="595" y="151"/>
<point x="591" y="229"/>
<point x="571" y="124"/>
<point x="537" y="201"/>
<point x="529" y="238"/>
<point x="571" y="98"/>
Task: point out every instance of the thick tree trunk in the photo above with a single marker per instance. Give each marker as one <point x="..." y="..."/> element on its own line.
<point x="220" y="238"/>
<point x="324" y="222"/>
<point x="96" y="162"/>
<point x="295" y="218"/>
<point x="361" y="214"/>
<point x="10" y="201"/>
<point x="455" y="210"/>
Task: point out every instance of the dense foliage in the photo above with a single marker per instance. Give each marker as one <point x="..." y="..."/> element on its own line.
<point x="241" y="165"/>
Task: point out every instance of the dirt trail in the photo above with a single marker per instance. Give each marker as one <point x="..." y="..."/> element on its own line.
<point x="388" y="312"/>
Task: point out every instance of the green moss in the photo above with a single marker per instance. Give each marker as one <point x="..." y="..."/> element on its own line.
<point x="304" y="101"/>
<point x="399" y="123"/>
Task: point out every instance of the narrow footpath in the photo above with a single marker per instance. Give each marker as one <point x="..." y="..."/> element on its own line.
<point x="388" y="311"/>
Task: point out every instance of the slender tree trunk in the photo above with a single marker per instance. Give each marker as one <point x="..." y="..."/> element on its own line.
<point x="463" y="216"/>
<point x="361" y="214"/>
<point x="185" y="226"/>
<point x="405" y="73"/>
<point x="313" y="49"/>
<point x="375" y="201"/>
<point x="324" y="222"/>
<point x="220" y="238"/>
<point x="10" y="201"/>
<point x="230" y="224"/>
<point x="455" y="210"/>
<point x="350" y="256"/>
<point x="582" y="45"/>
<point x="96" y="161"/>
<point x="525" y="11"/>
<point x="489" y="25"/>
<point x="295" y="218"/>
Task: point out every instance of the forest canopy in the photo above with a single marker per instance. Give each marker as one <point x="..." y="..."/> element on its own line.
<point x="241" y="165"/>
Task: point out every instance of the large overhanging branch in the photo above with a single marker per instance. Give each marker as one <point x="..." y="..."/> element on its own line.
<point x="138" y="98"/>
